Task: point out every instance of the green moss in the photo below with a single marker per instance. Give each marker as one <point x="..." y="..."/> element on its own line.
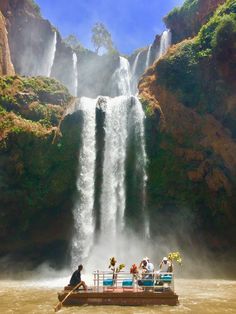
<point x="186" y="19"/>
<point x="173" y="195"/>
<point x="147" y="107"/>
<point x="192" y="70"/>
<point x="34" y="6"/>
<point x="37" y="99"/>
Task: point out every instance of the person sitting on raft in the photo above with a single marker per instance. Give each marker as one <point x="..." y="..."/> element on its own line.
<point x="76" y="279"/>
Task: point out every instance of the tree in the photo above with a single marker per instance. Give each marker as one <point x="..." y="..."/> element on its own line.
<point x="101" y="38"/>
<point x="73" y="42"/>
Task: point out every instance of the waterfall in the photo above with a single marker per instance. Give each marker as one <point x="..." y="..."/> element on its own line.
<point x="165" y="43"/>
<point x="148" y="56"/>
<point x="135" y="76"/>
<point x="135" y="64"/>
<point x="120" y="81"/>
<point x="83" y="211"/>
<point x="75" y="64"/>
<point x="138" y="122"/>
<point x="51" y="55"/>
<point x="113" y="186"/>
<point x="113" y="145"/>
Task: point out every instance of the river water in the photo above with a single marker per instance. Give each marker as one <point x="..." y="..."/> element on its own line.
<point x="195" y="296"/>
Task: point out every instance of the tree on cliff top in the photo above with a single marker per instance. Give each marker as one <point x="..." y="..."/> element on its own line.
<point x="101" y="38"/>
<point x="73" y="42"/>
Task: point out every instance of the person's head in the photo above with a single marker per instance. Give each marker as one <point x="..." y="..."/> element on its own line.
<point x="165" y="260"/>
<point x="144" y="263"/>
<point x="80" y="267"/>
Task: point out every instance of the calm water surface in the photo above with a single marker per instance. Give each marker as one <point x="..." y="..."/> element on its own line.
<point x="195" y="296"/>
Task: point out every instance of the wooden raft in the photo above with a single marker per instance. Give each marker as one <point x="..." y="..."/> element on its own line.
<point x="123" y="298"/>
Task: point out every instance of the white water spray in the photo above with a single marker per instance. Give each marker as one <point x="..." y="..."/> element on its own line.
<point x="137" y="124"/>
<point x="83" y="211"/>
<point x="165" y="43"/>
<point x="113" y="187"/>
<point x="135" y="64"/>
<point x="148" y="57"/>
<point x="75" y="65"/>
<point x="120" y="81"/>
<point x="123" y="115"/>
<point x="51" y="55"/>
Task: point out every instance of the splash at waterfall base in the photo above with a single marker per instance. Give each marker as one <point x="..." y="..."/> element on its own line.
<point x="123" y="289"/>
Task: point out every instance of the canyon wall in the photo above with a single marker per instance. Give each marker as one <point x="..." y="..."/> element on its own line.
<point x="190" y="101"/>
<point x="6" y="66"/>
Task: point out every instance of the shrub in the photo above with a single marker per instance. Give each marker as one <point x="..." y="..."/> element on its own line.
<point x="224" y="38"/>
<point x="34" y="6"/>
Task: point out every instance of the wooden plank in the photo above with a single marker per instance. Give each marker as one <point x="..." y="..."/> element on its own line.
<point x="121" y="298"/>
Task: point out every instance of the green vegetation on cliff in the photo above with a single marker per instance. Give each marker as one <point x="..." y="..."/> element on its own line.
<point x="186" y="21"/>
<point x="38" y="99"/>
<point x="201" y="71"/>
<point x="37" y="173"/>
<point x="186" y="16"/>
<point x="189" y="95"/>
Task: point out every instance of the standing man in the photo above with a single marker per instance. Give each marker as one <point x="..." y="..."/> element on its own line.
<point x="165" y="265"/>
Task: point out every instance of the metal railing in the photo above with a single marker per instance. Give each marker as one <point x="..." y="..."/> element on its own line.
<point x="155" y="281"/>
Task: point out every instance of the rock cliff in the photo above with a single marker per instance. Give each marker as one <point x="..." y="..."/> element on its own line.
<point x="6" y="67"/>
<point x="31" y="38"/>
<point x="38" y="169"/>
<point x="190" y="100"/>
<point x="186" y="21"/>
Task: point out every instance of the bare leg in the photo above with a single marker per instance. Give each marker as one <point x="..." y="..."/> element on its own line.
<point x="84" y="285"/>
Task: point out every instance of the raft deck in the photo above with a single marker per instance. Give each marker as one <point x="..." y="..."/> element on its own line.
<point x="124" y="289"/>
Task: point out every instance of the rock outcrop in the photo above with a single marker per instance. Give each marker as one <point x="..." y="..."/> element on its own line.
<point x="186" y="21"/>
<point x="38" y="169"/>
<point x="31" y="38"/>
<point x="190" y="104"/>
<point x="6" y="66"/>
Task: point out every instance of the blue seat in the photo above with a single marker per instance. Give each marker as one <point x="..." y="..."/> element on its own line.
<point x="166" y="278"/>
<point x="108" y="282"/>
<point x="127" y="283"/>
<point x="147" y="283"/>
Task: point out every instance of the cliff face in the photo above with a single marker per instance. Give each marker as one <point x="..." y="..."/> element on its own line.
<point x="38" y="168"/>
<point x="6" y="67"/>
<point x="31" y="40"/>
<point x="190" y="101"/>
<point x="186" y="21"/>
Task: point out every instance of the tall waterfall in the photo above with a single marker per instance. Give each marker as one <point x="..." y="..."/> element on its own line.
<point x="50" y="55"/>
<point x="148" y="56"/>
<point x="75" y="64"/>
<point x="134" y="67"/>
<point x="84" y="209"/>
<point x="113" y="186"/>
<point x="121" y="79"/>
<point x="103" y="216"/>
<point x="164" y="44"/>
<point x="135" y="73"/>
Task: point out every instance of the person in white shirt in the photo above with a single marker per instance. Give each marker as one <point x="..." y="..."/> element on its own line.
<point x="164" y="265"/>
<point x="150" y="266"/>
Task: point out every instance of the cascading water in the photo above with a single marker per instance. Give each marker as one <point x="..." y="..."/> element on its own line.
<point x="148" y="56"/>
<point x="165" y="43"/>
<point x="50" y="55"/>
<point x="83" y="211"/>
<point x="113" y="186"/>
<point x="75" y="64"/>
<point x="123" y="122"/>
<point x="121" y="79"/>
<point x="134" y="67"/>
<point x="134" y="80"/>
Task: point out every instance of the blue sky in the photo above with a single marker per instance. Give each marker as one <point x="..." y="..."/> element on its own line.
<point x="132" y="23"/>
